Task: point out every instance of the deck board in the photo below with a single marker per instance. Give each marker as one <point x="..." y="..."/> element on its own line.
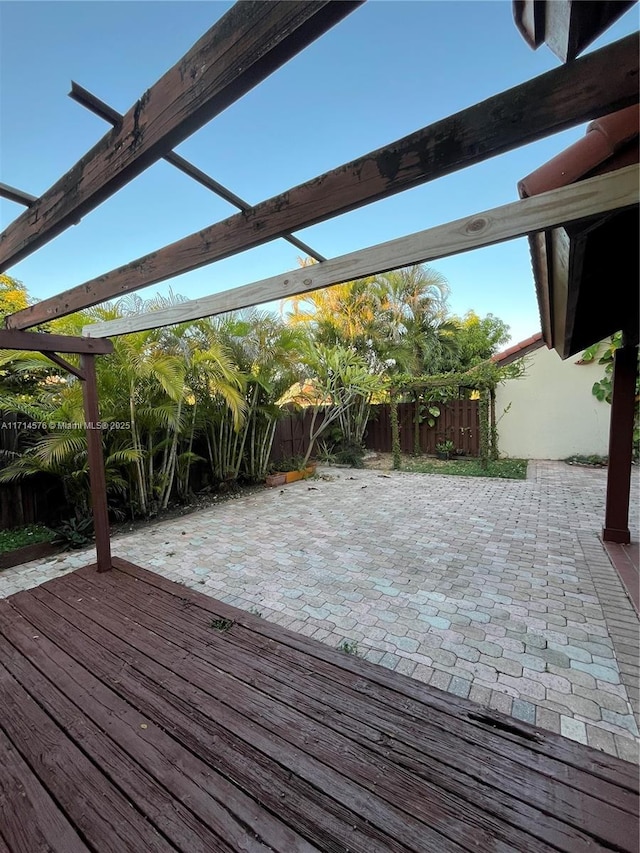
<point x="164" y="730"/>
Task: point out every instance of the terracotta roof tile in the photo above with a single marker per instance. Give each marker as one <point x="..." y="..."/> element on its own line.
<point x="519" y="350"/>
<point x="604" y="138"/>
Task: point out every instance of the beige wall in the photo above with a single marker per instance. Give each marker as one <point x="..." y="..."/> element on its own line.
<point x="553" y="413"/>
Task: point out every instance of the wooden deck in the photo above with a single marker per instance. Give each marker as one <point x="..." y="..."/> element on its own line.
<point x="137" y="715"/>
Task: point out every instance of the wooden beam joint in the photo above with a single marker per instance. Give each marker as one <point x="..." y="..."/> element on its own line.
<point x="44" y="342"/>
<point x="601" y="82"/>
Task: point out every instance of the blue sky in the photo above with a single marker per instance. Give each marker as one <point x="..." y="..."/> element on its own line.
<point x="388" y="69"/>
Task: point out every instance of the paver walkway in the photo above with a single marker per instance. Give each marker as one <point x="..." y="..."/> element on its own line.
<point x="498" y="590"/>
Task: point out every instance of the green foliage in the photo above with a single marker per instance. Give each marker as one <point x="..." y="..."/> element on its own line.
<point x="340" y="381"/>
<point x="445" y="446"/>
<point x="288" y="463"/>
<point x="209" y="394"/>
<point x="484" y="429"/>
<point x="222" y="624"/>
<point x="395" y="431"/>
<point x="513" y="469"/>
<point x="478" y="338"/>
<point x="604" y="352"/>
<point x="351" y="454"/>
<point x="592" y="461"/>
<point x="349" y="647"/>
<point x="75" y="533"/>
<point x="13" y="295"/>
<point x="20" y="537"/>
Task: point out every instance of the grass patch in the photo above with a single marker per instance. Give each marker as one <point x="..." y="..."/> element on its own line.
<point x="11" y="540"/>
<point x="349" y="647"/>
<point x="592" y="461"/>
<point x="507" y="469"/>
<point x="222" y="624"/>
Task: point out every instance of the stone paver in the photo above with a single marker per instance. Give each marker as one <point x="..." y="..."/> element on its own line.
<point x="493" y="589"/>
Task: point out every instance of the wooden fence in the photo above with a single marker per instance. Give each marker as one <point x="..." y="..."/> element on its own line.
<point x="292" y="435"/>
<point x="458" y="422"/>
<point x="36" y="500"/>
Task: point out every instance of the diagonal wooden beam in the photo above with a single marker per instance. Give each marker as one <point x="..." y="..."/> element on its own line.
<point x="244" y="47"/>
<point x="64" y="364"/>
<point x="43" y="342"/>
<point x="97" y="106"/>
<point x="20" y="197"/>
<point x="595" y="85"/>
<point x="612" y="191"/>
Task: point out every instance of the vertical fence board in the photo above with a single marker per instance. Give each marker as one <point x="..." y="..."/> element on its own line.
<point x="458" y="422"/>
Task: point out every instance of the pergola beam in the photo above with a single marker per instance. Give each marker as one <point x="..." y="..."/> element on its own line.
<point x="96" y="105"/>
<point x="20" y="197"/>
<point x="243" y="48"/>
<point x="598" y="195"/>
<point x="43" y="342"/>
<point x="599" y="83"/>
<point x="64" y="364"/>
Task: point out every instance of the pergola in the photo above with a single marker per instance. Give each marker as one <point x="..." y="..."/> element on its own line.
<point x="240" y="50"/>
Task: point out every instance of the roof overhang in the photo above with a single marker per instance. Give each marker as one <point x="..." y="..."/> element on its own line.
<point x="586" y="273"/>
<point x="567" y="26"/>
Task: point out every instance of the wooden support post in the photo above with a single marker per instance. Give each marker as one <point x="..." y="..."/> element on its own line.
<point x="616" y="525"/>
<point x="96" y="462"/>
<point x="493" y="427"/>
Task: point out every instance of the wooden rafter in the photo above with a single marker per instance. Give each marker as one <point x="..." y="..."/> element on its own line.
<point x="16" y="195"/>
<point x="64" y="364"/>
<point x="97" y="106"/>
<point x="567" y="26"/>
<point x="597" y="84"/>
<point x="43" y="342"/>
<point x="615" y="190"/>
<point x="248" y="43"/>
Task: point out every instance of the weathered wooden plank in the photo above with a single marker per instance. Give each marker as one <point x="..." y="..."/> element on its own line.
<point x="94" y="806"/>
<point x="378" y="773"/>
<point x="431" y="751"/>
<point x="43" y="342"/>
<point x="391" y="798"/>
<point x="30" y="820"/>
<point x="87" y="99"/>
<point x="537" y="213"/>
<point x="280" y="777"/>
<point x="371" y="678"/>
<point x="244" y="47"/>
<point x="601" y="82"/>
<point x="301" y="666"/>
<point x="162" y="766"/>
<point x="191" y="630"/>
<point x="571" y="25"/>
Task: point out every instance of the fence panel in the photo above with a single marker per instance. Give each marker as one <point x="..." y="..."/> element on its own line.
<point x="458" y="422"/>
<point x="292" y="434"/>
<point x="37" y="500"/>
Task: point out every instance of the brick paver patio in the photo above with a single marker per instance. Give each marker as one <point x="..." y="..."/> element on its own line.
<point x="498" y="590"/>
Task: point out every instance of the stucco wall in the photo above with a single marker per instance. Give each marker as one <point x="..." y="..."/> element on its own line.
<point x="553" y="413"/>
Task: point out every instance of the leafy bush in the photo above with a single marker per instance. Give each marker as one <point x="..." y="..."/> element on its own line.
<point x="349" y="453"/>
<point x="75" y="533"/>
<point x="593" y="461"/>
<point x="19" y="537"/>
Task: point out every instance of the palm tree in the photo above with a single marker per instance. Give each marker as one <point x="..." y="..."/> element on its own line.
<point x="421" y="339"/>
<point x="268" y="353"/>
